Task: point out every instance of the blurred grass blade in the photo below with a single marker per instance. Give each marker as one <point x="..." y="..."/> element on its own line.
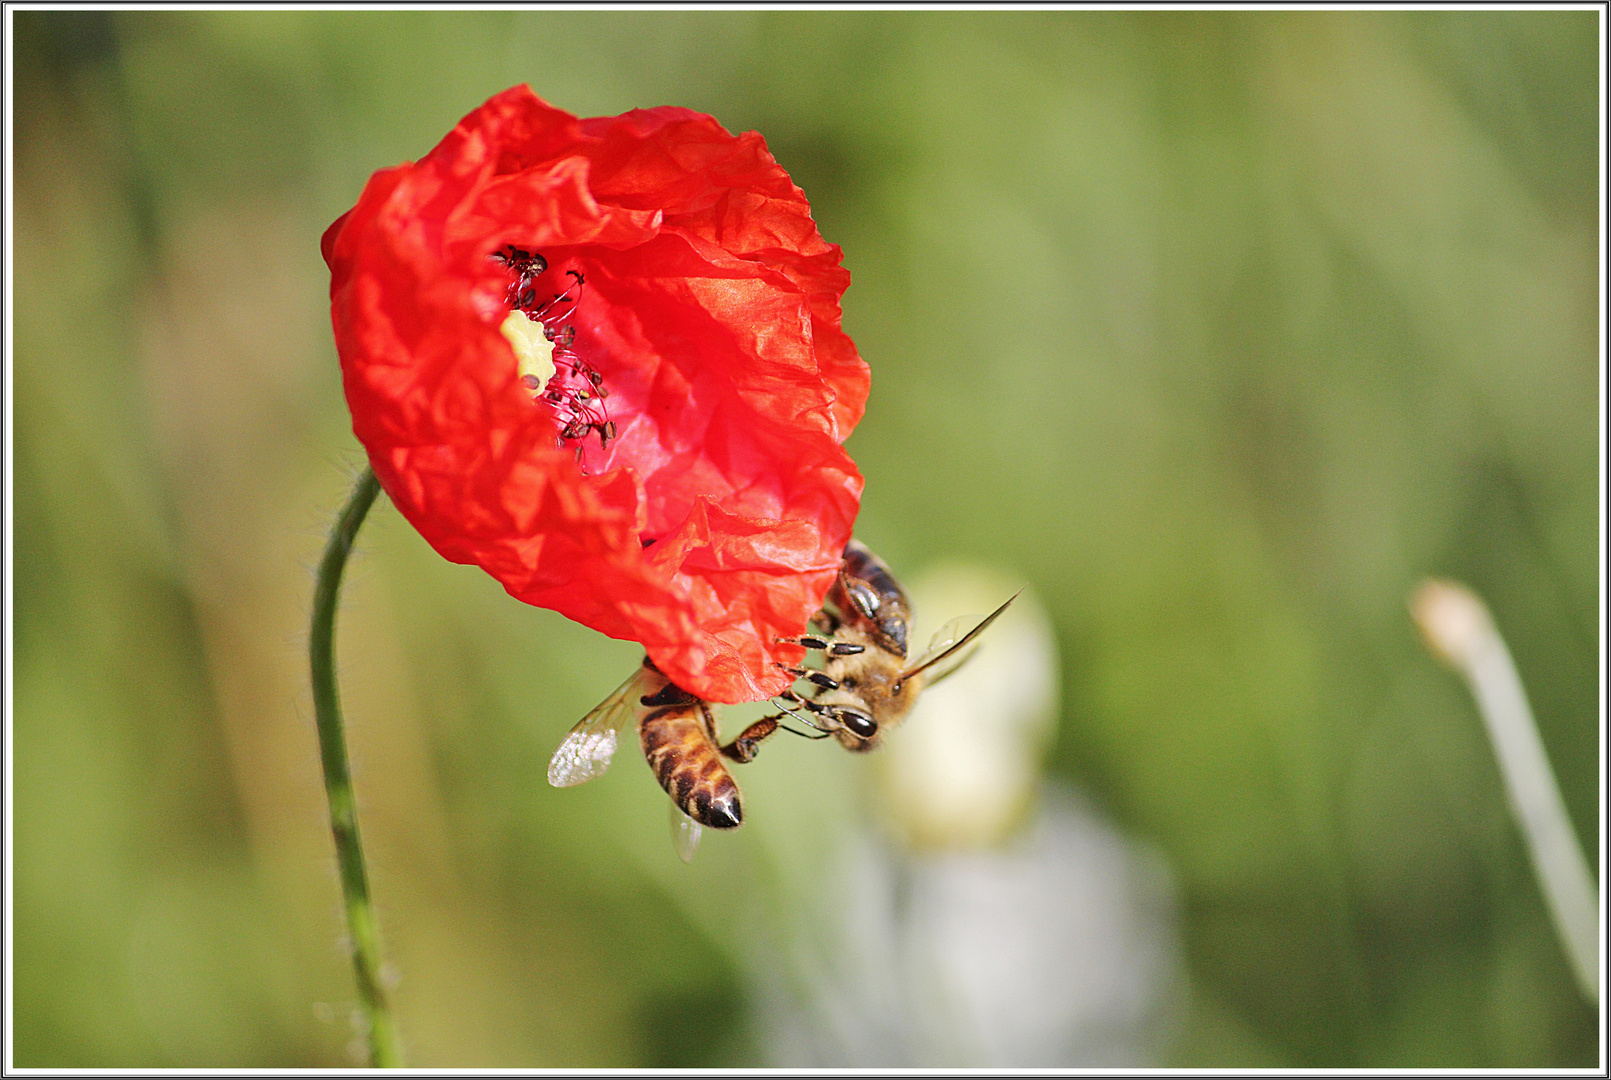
<point x="1459" y="629"/>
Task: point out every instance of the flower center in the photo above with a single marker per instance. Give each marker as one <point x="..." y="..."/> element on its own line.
<point x="542" y="336"/>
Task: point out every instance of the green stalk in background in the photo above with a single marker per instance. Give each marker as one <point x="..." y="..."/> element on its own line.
<point x="361" y="926"/>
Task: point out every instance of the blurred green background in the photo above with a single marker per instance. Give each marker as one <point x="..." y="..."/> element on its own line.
<point x="1221" y="329"/>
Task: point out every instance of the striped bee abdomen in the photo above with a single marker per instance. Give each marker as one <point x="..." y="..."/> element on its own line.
<point x="680" y="748"/>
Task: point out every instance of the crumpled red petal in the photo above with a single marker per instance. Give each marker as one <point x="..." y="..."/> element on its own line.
<point x="713" y="523"/>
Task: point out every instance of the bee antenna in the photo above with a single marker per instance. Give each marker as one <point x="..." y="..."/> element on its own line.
<point x="971" y="634"/>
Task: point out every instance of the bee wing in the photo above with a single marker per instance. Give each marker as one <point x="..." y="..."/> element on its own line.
<point x="685" y="833"/>
<point x="947" y="652"/>
<point x="945" y="637"/>
<point x="587" y="750"/>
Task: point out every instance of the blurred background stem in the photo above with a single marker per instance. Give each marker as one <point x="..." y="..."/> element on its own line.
<point x="361" y="927"/>
<point x="1460" y="630"/>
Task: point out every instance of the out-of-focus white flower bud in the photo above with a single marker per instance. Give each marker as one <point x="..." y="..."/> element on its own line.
<point x="1456" y="624"/>
<point x="964" y="767"/>
<point x="969" y="942"/>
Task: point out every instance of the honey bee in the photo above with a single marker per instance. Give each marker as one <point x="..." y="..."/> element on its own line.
<point x="678" y="734"/>
<point x="865" y="687"/>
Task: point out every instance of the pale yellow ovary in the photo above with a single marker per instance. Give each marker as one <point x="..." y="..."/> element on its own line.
<point x="533" y="351"/>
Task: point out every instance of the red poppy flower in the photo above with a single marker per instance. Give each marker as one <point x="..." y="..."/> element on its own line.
<point x="602" y="360"/>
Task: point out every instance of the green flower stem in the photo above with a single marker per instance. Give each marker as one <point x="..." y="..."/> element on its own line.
<point x="361" y="925"/>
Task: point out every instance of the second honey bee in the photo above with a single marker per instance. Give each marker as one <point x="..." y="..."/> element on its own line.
<point x="864" y="687"/>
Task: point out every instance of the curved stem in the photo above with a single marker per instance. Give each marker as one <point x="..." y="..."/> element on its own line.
<point x="361" y="925"/>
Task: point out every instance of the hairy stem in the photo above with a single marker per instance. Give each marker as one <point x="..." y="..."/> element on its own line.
<point x="361" y="926"/>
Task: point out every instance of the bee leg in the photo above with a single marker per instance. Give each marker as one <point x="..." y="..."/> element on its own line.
<point x="784" y="700"/>
<point x="710" y="721"/>
<point x="816" y="677"/>
<point x="804" y="641"/>
<point x="814" y="734"/>
<point x="812" y="710"/>
<point x="804" y="702"/>
<point x="828" y="645"/>
<point x="744" y="748"/>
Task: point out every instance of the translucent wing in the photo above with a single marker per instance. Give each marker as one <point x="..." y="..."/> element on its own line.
<point x="948" y="650"/>
<point x="587" y="750"/>
<point x="685" y="833"/>
<point x="945" y="637"/>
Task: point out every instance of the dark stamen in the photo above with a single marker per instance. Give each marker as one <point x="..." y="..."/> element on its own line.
<point x="575" y="390"/>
